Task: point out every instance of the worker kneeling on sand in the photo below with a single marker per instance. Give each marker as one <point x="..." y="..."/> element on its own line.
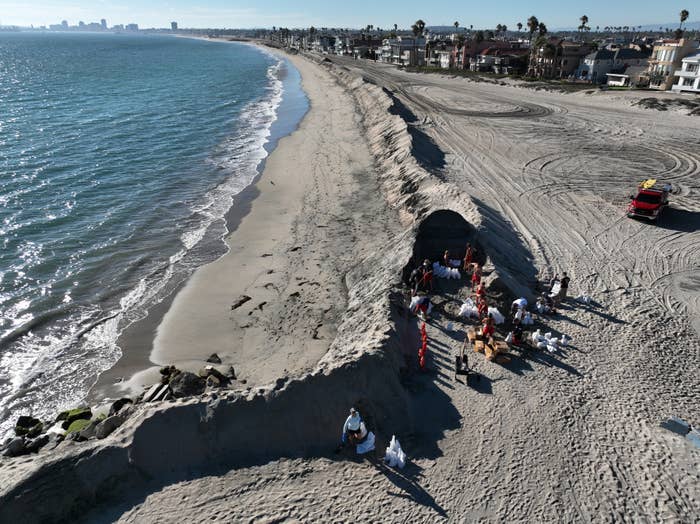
<point x="355" y="434"/>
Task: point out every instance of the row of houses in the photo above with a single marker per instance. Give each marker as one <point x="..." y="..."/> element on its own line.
<point x="663" y="64"/>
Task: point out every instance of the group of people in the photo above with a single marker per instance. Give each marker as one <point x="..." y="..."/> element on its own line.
<point x="488" y="324"/>
<point x="421" y="278"/>
<point x="548" y="301"/>
<point x="421" y="281"/>
<point x="563" y="287"/>
<point x="545" y="305"/>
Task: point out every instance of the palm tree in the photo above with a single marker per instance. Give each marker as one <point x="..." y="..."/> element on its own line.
<point x="312" y="32"/>
<point x="396" y="27"/>
<point x="532" y="25"/>
<point x="418" y="27"/>
<point x="460" y="44"/>
<point x="456" y="24"/>
<point x="684" y="17"/>
<point x="584" y="22"/>
<point x="499" y="28"/>
<point x="542" y="29"/>
<point x="520" y="26"/>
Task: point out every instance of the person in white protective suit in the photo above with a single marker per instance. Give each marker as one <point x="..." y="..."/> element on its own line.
<point x="352" y="429"/>
<point x="355" y="433"/>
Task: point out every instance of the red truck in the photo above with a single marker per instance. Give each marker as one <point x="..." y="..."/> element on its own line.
<point x="650" y="200"/>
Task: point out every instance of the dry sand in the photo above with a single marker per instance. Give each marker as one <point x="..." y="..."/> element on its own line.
<point x="569" y="436"/>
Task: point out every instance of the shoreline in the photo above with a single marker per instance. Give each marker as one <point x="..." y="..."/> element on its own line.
<point x="289" y="256"/>
<point x="136" y="340"/>
<point x="570" y="434"/>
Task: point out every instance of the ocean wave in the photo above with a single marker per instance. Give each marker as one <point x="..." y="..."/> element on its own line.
<point x="45" y="370"/>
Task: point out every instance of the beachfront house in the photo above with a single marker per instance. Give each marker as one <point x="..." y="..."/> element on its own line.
<point x="344" y="44"/>
<point x="500" y="60"/>
<point x="403" y="50"/>
<point x="365" y="47"/>
<point x="323" y="44"/>
<point x="556" y="58"/>
<point x="462" y="56"/>
<point x="595" y="66"/>
<point x="438" y="53"/>
<point x="688" y="76"/>
<point x="666" y="59"/>
<point x="630" y="77"/>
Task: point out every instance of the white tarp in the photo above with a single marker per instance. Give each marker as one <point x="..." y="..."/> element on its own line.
<point x="498" y="318"/>
<point x="468" y="309"/>
<point x="441" y="271"/>
<point x="366" y="445"/>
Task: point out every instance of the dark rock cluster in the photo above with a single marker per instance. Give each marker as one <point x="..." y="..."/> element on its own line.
<point x="79" y="424"/>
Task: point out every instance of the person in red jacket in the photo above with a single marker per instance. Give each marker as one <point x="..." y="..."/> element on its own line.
<point x="426" y="281"/>
<point x="489" y="329"/>
<point x="482" y="307"/>
<point x="468" y="258"/>
<point x="476" y="277"/>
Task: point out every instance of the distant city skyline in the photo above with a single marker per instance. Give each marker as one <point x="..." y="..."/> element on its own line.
<point x="321" y="13"/>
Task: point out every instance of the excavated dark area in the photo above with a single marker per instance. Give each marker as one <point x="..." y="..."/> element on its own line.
<point x="447" y="230"/>
<point x="443" y="230"/>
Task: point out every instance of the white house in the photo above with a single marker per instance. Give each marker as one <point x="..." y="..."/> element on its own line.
<point x="403" y="51"/>
<point x="688" y="76"/>
<point x="596" y="66"/>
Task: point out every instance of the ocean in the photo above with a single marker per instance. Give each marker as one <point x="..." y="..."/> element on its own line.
<point x="119" y="158"/>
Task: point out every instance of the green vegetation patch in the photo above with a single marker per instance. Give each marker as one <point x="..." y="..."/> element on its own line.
<point x="78" y="425"/>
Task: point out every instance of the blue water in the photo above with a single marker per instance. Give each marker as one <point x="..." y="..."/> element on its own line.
<point x="119" y="157"/>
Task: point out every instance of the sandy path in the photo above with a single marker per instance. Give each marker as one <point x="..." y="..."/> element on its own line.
<point x="318" y="213"/>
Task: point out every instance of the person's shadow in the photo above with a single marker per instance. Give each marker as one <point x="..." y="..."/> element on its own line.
<point x="410" y="488"/>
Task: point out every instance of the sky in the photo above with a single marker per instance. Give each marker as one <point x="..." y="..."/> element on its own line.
<point x="342" y="13"/>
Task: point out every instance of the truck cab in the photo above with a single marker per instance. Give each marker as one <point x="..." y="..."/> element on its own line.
<point x="649" y="201"/>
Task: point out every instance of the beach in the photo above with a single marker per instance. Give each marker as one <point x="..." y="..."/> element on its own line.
<point x="309" y="307"/>
<point x="314" y="212"/>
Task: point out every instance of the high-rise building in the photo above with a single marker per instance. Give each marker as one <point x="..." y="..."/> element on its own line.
<point x="173" y="26"/>
<point x="103" y="23"/>
<point x="132" y="27"/>
<point x="64" y="24"/>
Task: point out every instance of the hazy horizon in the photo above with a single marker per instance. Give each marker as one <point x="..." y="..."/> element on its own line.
<point x="245" y="14"/>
